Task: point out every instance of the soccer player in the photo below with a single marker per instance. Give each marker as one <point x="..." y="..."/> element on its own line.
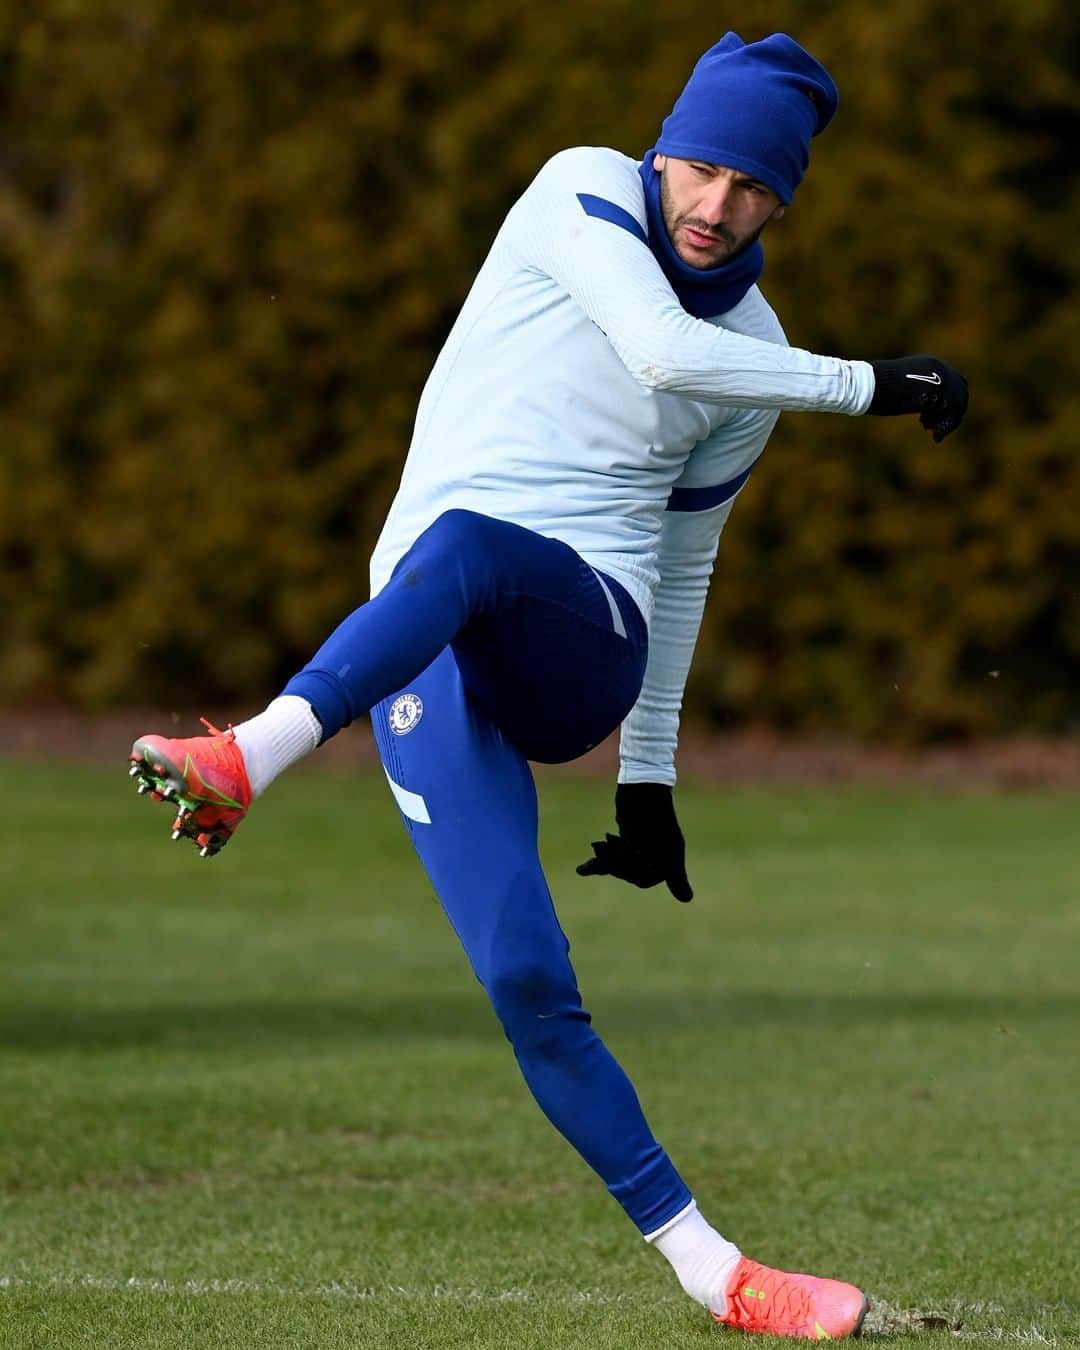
<point x="605" y="393"/>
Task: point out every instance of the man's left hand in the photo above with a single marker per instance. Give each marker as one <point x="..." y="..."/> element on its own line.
<point x="649" y="847"/>
<point x="925" y="385"/>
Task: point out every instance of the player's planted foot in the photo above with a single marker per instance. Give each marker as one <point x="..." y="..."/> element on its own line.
<point x="772" y="1301"/>
<point x="203" y="776"/>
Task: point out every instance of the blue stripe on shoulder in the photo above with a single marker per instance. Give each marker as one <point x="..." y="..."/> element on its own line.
<point x="703" y="499"/>
<point x="605" y="210"/>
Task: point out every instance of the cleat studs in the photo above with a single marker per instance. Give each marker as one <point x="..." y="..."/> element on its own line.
<point x="168" y="793"/>
<point x="133" y="772"/>
<point x="143" y="786"/>
<point x="177" y="834"/>
<point x="204" y="852"/>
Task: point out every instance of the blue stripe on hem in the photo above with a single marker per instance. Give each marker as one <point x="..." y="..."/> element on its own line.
<point x="602" y="209"/>
<point x="703" y="499"/>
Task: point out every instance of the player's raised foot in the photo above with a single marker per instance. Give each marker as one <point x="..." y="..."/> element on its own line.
<point x="779" y="1304"/>
<point x="204" y="777"/>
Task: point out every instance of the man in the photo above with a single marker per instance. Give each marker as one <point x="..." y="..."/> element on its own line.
<point x="610" y="382"/>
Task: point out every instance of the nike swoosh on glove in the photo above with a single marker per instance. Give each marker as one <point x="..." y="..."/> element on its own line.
<point x="923" y="385"/>
<point x="649" y="847"/>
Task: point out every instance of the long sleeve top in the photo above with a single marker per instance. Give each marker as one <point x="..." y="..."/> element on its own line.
<point x="576" y="397"/>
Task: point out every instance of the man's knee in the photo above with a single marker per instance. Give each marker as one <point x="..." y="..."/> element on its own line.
<point x="458" y="543"/>
<point x="532" y="994"/>
<point x="457" y="531"/>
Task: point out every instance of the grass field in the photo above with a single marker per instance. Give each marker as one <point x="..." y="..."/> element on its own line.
<point x="260" y="1102"/>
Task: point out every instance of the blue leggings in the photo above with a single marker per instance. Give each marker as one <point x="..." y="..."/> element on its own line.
<point x="491" y="646"/>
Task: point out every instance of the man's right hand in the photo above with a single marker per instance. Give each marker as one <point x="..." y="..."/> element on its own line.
<point x="923" y="385"/>
<point x="649" y="847"/>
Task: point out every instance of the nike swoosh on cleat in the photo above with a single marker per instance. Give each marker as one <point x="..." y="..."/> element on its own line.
<point x="926" y="379"/>
<point x="211" y="795"/>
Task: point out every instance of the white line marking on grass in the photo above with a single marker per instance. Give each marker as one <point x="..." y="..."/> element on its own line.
<point x="333" y="1289"/>
<point x="1028" y="1336"/>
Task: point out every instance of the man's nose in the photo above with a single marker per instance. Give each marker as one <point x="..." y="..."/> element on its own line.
<point x="715" y="203"/>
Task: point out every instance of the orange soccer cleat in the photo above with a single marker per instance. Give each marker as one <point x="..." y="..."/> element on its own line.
<point x="772" y="1301"/>
<point x="204" y="776"/>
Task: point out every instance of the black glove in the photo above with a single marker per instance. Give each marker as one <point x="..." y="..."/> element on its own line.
<point x="923" y="385"/>
<point x="649" y="847"/>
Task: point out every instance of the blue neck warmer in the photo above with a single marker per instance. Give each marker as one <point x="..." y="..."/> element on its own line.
<point x="702" y="292"/>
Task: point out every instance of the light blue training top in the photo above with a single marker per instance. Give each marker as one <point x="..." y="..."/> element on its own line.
<point x="576" y="397"/>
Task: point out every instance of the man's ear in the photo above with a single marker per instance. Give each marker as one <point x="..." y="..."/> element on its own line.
<point x="779" y="212"/>
<point x="658" y="161"/>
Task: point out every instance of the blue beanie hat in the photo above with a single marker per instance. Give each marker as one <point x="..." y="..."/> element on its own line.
<point x="753" y="106"/>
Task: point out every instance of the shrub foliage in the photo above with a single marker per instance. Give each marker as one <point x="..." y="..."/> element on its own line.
<point x="232" y="238"/>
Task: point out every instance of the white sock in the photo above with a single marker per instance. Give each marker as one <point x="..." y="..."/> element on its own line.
<point x="272" y="740"/>
<point x="703" y="1260"/>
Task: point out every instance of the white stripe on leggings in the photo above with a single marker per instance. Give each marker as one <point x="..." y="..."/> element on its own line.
<point x="411" y="804"/>
<point x="616" y="617"/>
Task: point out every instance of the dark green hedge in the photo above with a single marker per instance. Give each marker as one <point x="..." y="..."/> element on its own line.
<point x="232" y="238"/>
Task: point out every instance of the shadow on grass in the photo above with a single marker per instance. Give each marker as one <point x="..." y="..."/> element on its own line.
<point x="460" y="1016"/>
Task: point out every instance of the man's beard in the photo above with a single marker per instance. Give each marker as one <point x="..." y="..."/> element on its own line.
<point x="721" y="233"/>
